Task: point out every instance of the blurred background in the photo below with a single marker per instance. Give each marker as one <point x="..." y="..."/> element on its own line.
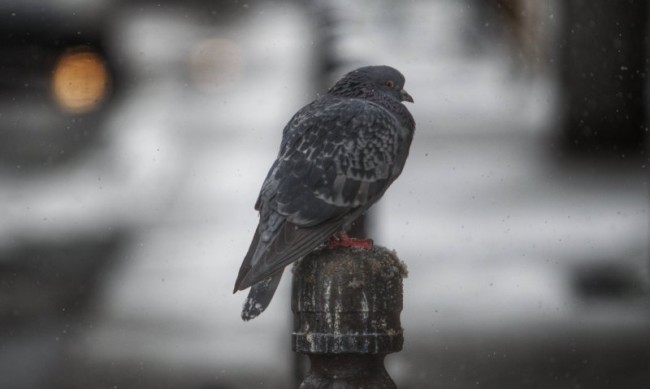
<point x="135" y="135"/>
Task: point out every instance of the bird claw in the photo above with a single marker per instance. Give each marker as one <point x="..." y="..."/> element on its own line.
<point x="343" y="240"/>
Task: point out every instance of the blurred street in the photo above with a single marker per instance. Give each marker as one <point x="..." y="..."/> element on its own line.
<point x="527" y="268"/>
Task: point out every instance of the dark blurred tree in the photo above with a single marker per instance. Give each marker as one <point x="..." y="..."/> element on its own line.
<point x="604" y="69"/>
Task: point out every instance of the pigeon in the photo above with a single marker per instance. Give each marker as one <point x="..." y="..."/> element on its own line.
<point x="337" y="157"/>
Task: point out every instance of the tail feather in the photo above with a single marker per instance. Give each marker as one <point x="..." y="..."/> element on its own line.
<point x="288" y="245"/>
<point x="264" y="262"/>
<point x="260" y="296"/>
<point x="246" y="266"/>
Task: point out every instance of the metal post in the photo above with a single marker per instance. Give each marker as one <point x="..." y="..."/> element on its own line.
<point x="346" y="305"/>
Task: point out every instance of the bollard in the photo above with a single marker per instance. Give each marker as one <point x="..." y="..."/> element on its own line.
<point x="346" y="305"/>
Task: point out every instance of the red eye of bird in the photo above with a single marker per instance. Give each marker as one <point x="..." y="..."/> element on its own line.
<point x="389" y="84"/>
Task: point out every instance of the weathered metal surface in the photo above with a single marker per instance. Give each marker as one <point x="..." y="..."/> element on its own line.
<point x="347" y="304"/>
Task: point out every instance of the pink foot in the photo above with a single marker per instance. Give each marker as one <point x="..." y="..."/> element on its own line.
<point x="343" y="240"/>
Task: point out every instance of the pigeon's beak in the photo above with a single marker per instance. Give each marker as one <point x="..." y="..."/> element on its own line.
<point x="406" y="96"/>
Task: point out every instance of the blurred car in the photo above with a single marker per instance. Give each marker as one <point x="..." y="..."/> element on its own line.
<point x="56" y="82"/>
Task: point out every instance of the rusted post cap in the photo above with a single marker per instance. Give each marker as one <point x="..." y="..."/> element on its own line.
<point x="348" y="301"/>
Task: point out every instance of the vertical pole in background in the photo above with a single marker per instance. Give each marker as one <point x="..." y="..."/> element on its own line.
<point x="346" y="305"/>
<point x="604" y="76"/>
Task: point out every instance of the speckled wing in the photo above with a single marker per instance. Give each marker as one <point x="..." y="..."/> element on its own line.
<point x="337" y="157"/>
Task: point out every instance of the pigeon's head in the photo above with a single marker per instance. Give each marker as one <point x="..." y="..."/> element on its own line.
<point x="370" y="80"/>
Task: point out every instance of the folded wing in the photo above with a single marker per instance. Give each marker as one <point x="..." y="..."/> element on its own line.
<point x="337" y="158"/>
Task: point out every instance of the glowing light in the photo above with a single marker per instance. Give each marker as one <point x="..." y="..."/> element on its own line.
<point x="80" y="81"/>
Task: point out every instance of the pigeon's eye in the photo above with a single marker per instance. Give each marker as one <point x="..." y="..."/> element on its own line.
<point x="389" y="84"/>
